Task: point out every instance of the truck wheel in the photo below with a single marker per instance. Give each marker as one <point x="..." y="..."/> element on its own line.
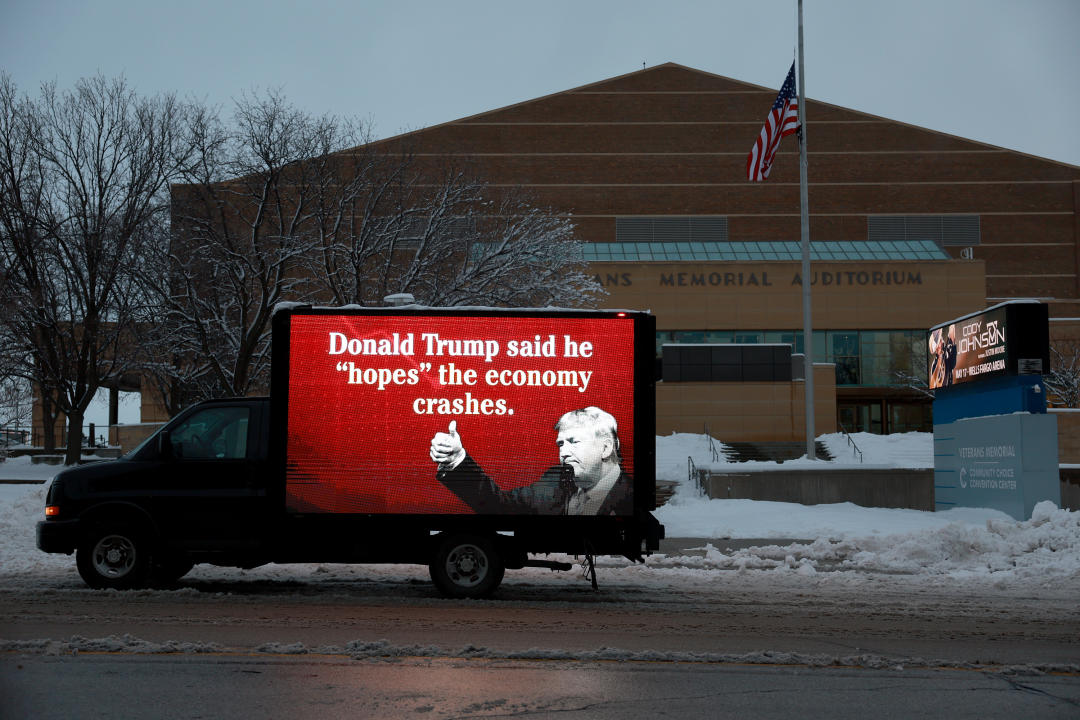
<point x="113" y="558"/>
<point x="466" y="566"/>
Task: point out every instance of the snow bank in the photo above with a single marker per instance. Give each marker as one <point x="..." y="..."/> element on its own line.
<point x="21" y="506"/>
<point x="1039" y="551"/>
<point x="22" y="468"/>
<point x="900" y="450"/>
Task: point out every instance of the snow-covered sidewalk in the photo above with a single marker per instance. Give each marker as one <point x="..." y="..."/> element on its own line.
<point x="22" y="470"/>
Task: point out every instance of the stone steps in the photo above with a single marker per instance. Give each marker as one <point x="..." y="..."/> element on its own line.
<point x="771" y="451"/>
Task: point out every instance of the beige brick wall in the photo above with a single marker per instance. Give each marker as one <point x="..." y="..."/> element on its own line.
<point x="768" y="296"/>
<point x="1068" y="422"/>
<point x="749" y="411"/>
<point x="129" y="436"/>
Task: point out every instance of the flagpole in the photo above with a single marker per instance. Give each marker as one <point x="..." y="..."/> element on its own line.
<point x="804" y="211"/>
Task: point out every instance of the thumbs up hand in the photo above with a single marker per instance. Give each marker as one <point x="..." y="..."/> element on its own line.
<point x="446" y="448"/>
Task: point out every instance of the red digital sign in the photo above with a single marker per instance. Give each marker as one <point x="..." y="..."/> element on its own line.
<point x="460" y="413"/>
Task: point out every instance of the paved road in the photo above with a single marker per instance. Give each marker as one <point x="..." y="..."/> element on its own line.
<point x="382" y="644"/>
<point x="224" y="686"/>
<point x="244" y="616"/>
<point x="369" y="641"/>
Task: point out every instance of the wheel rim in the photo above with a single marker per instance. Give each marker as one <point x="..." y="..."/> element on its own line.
<point x="467" y="565"/>
<point x="114" y="556"/>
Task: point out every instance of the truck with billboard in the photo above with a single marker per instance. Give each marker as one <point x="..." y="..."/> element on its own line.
<point x="467" y="440"/>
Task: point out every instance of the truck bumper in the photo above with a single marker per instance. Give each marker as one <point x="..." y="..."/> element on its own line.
<point x="58" y="536"/>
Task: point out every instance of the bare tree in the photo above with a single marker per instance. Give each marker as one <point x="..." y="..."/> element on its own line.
<point x="16" y="402"/>
<point x="84" y="174"/>
<point x="369" y="207"/>
<point x="447" y="238"/>
<point x="22" y="206"/>
<point x="508" y="252"/>
<point x="16" y="406"/>
<point x="1063" y="379"/>
<point x="281" y="206"/>
<point x="241" y="224"/>
<point x="918" y="383"/>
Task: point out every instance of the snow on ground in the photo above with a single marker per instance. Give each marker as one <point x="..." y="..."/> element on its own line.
<point x="22" y="469"/>
<point x="689" y="515"/>
<point x="962" y="544"/>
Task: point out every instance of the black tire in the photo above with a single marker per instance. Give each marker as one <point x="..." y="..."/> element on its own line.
<point x="114" y="557"/>
<point x="167" y="568"/>
<point x="466" y="566"/>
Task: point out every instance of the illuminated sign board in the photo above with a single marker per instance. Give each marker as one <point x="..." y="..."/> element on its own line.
<point x="441" y="412"/>
<point x="1007" y="339"/>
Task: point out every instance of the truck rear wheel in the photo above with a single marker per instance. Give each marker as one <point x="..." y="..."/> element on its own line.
<point x="466" y="566"/>
<point x="117" y="557"/>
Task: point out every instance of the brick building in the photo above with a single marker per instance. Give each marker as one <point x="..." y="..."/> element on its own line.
<point x="910" y="227"/>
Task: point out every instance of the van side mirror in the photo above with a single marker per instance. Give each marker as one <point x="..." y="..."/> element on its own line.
<point x="164" y="445"/>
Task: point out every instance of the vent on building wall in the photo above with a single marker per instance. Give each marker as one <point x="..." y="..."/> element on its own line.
<point x="671" y="229"/>
<point x="944" y="230"/>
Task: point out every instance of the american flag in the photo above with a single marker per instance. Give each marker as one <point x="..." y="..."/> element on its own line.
<point x="783" y="120"/>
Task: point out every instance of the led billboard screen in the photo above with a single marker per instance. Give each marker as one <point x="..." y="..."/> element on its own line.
<point x="489" y="413"/>
<point x="1008" y="339"/>
<point x="969" y="349"/>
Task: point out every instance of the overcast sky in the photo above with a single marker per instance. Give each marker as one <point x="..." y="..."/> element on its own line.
<point x="998" y="71"/>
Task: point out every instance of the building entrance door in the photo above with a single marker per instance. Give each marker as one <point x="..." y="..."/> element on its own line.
<point x="910" y="417"/>
<point x="860" y="417"/>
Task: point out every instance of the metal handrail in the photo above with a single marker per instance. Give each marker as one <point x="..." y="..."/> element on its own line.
<point x="713" y="450"/>
<point x="696" y="476"/>
<point x="851" y="442"/>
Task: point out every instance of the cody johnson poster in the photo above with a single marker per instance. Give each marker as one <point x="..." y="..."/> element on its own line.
<point x="386" y="410"/>
<point x="971" y="349"/>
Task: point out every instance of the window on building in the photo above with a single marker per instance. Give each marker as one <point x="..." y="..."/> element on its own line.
<point x="719" y="336"/>
<point x="910" y="417"/>
<point x="875" y="355"/>
<point x="744" y="336"/>
<point x="844" y="352"/>
<point x="689" y="336"/>
<point x="662" y="338"/>
<point x="860" y="417"/>
<point x="873" y="358"/>
<point x="780" y="336"/>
